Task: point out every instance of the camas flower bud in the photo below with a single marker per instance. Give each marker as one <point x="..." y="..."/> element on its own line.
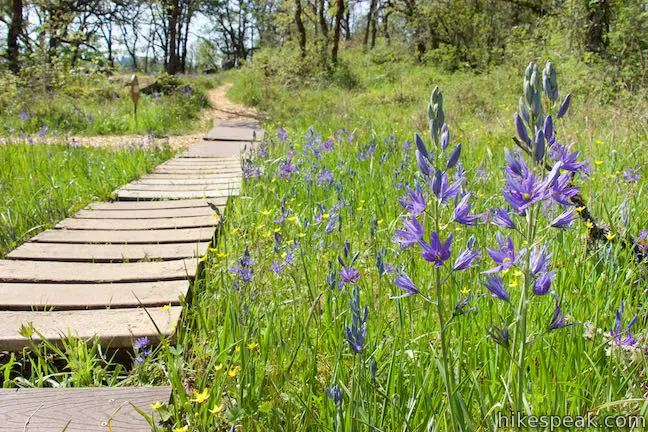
<point x="564" y="106"/>
<point x="521" y="129"/>
<point x="539" y="147"/>
<point x="454" y="157"/>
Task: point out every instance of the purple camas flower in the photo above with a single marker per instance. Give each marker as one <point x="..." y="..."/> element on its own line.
<point x="327" y="145"/>
<point x="539" y="260"/>
<point x="286" y="169"/>
<point x="496" y="287"/>
<point x="325" y="178"/>
<point x="276" y="268"/>
<point x="420" y="146"/>
<point x="462" y="210"/>
<point x="23" y="116"/>
<point x="243" y="270"/>
<point x="558" y="319"/>
<point x="524" y="189"/>
<point x="505" y="256"/>
<point x="561" y="153"/>
<point x="616" y="333"/>
<point x="564" y="219"/>
<point x="562" y="190"/>
<point x="548" y="129"/>
<point x="404" y="282"/>
<point x="442" y="190"/>
<point x="436" y="252"/>
<point x="542" y="284"/>
<point x="564" y="106"/>
<point x="335" y="394"/>
<point x="414" y="201"/>
<point x="357" y="333"/>
<point x="500" y="335"/>
<point x="454" y="157"/>
<point x="282" y="134"/>
<point x="423" y="164"/>
<point x="500" y="217"/>
<point x="467" y="258"/>
<point x="349" y="275"/>
<point x="521" y="129"/>
<point x="141" y="343"/>
<point x="411" y="235"/>
<point x="631" y="174"/>
<point x="251" y="170"/>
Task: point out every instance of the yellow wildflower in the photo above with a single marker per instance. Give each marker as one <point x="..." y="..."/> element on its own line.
<point x="166" y="307"/>
<point x="465" y="291"/>
<point x="237" y="348"/>
<point x="598" y="162"/>
<point x="517" y="273"/>
<point x="200" y="397"/>
<point x="513" y="283"/>
<point x="589" y="224"/>
<point x="302" y="235"/>
<point x="157" y="405"/>
<point x="265" y="212"/>
<point x="234" y="231"/>
<point x="181" y="429"/>
<point x="218" y="367"/>
<point x="217" y="409"/>
<point x="234" y="371"/>
<point x="380" y="221"/>
<point x="610" y="236"/>
<point x="326" y="216"/>
<point x="580" y="209"/>
<point x="252" y="345"/>
<point x="292" y="218"/>
<point x="359" y="209"/>
<point x="284" y="255"/>
<point x="221" y="255"/>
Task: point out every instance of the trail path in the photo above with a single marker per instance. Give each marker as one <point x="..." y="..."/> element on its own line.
<point x="117" y="271"/>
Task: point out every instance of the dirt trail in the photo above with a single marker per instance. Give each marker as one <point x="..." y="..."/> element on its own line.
<point x="221" y="109"/>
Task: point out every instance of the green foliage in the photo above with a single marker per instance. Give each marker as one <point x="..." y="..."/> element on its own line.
<point x="96" y="105"/>
<point x="42" y="184"/>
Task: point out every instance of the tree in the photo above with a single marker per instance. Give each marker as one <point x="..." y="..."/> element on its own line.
<point x="14" y="30"/>
<point x="339" y="15"/>
<point x="301" y="30"/>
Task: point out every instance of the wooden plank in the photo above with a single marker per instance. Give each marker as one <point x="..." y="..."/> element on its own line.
<point x="156" y="205"/>
<point x="146" y="214"/>
<point x="210" y="149"/>
<point x="155" y="195"/>
<point x="185" y="181"/>
<point x="41" y="296"/>
<point x="78" y="409"/>
<point x="107" y="252"/>
<point x="126" y="237"/>
<point x="138" y="224"/>
<point x="182" y="187"/>
<point x="198" y="176"/>
<point x="209" y="163"/>
<point x="194" y="170"/>
<point x="116" y="328"/>
<point x="243" y="123"/>
<point x="210" y="159"/>
<point x="225" y="133"/>
<point x="65" y="272"/>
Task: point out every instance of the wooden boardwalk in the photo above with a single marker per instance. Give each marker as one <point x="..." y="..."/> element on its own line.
<point x="117" y="271"/>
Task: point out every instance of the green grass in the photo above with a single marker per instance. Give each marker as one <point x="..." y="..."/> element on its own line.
<point x="98" y="106"/>
<point x="42" y="184"/>
<point x="261" y="355"/>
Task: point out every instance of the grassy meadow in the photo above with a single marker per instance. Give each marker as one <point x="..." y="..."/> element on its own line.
<point x="277" y="337"/>
<point x="43" y="184"/>
<point x="98" y="105"/>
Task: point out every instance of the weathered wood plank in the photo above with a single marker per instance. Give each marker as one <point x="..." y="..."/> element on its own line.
<point x="146" y="214"/>
<point x="78" y="409"/>
<point x="210" y="149"/>
<point x="197" y="176"/>
<point x="106" y="252"/>
<point x="154" y="195"/>
<point x="129" y="237"/>
<point x="202" y="163"/>
<point x="182" y="187"/>
<point x="156" y="205"/>
<point x="64" y="272"/>
<point x="225" y="133"/>
<point x="186" y="181"/>
<point x="138" y="224"/>
<point x="41" y="296"/>
<point x="203" y="171"/>
<point x="242" y="123"/>
<point x="116" y="328"/>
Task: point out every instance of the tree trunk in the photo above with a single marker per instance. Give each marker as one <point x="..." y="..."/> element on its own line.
<point x="14" y="31"/>
<point x="370" y="18"/>
<point x="172" y="64"/>
<point x="347" y="22"/>
<point x="301" y="30"/>
<point x="598" y="25"/>
<point x="386" y="26"/>
<point x="339" y="15"/>
<point x="322" y="19"/>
